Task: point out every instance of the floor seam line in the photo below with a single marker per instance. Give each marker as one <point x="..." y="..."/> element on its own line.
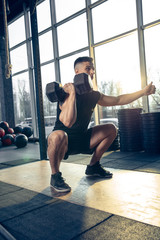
<point x="92" y="227"/>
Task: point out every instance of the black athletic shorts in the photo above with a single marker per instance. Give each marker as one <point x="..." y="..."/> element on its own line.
<point x="79" y="143"/>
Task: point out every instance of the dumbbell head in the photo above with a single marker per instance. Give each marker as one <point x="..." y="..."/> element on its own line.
<point x="55" y="92"/>
<point x="51" y="91"/>
<point x="82" y="83"/>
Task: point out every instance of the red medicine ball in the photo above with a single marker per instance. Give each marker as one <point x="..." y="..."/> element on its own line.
<point x="2" y="132"/>
<point x="4" y="125"/>
<point x="8" y="140"/>
<point x="10" y="131"/>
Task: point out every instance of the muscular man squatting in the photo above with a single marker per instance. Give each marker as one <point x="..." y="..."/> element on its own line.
<point x="71" y="134"/>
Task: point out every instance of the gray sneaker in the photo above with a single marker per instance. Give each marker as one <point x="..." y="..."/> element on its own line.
<point x="58" y="183"/>
<point x="98" y="171"/>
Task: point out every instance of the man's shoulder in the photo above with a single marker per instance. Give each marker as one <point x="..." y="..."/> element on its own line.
<point x="96" y="93"/>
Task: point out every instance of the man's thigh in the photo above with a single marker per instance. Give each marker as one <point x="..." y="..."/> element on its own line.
<point x="100" y="132"/>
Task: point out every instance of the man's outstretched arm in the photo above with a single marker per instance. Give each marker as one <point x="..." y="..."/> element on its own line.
<point x="126" y="98"/>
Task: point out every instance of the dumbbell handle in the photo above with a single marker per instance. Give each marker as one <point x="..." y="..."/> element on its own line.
<point x="61" y="94"/>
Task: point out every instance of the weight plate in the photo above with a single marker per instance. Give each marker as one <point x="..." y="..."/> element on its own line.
<point x="130" y="128"/>
<point x="129" y="118"/>
<point x="155" y="114"/>
<point x="151" y="149"/>
<point x="152" y="141"/>
<point x="130" y="110"/>
<point x="151" y="126"/>
<point x="130" y="125"/>
<point x="129" y="138"/>
<point x="131" y="133"/>
<point x="151" y="135"/>
<point x="150" y="118"/>
<point x="131" y="149"/>
<point x="150" y="121"/>
<point x="131" y="145"/>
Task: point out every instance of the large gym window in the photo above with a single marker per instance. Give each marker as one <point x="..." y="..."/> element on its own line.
<point x="43" y="15"/>
<point x="22" y="98"/>
<point x="19" y="59"/>
<point x="48" y="75"/>
<point x="118" y="72"/>
<point x="152" y="46"/>
<point x="113" y="18"/>
<point x="65" y="8"/>
<point x="46" y="47"/>
<point x="16" y="32"/>
<point x="150" y="10"/>
<point x="72" y="35"/>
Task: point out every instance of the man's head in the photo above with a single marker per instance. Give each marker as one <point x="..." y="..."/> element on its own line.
<point x="84" y="65"/>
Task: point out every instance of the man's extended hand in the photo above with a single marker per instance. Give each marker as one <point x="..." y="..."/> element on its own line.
<point x="149" y="89"/>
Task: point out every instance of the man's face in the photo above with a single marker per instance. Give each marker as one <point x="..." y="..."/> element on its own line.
<point x="85" y="67"/>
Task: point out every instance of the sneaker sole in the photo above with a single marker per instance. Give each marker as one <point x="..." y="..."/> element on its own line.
<point x="61" y="190"/>
<point x="97" y="175"/>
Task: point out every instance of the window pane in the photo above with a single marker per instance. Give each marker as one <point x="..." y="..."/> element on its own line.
<point x="67" y="68"/>
<point x="46" y="47"/>
<point x="150" y="10"/>
<point x="43" y="15"/>
<point x="117" y="67"/>
<point x="152" y="36"/>
<point x="112" y="18"/>
<point x="48" y="75"/>
<point x="73" y="35"/>
<point x="16" y="32"/>
<point x="65" y="8"/>
<point x="19" y="59"/>
<point x="21" y="94"/>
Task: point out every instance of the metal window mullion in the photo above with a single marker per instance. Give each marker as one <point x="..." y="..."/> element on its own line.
<point x="91" y="51"/>
<point x="151" y="24"/>
<point x="114" y="38"/>
<point x="142" y="52"/>
<point x="31" y="78"/>
<point x="55" y="41"/>
<point x="73" y="53"/>
<point x="71" y="17"/>
<point x="93" y="5"/>
<point x="37" y="78"/>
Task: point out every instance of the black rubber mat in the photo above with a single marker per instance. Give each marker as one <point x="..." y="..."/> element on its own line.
<point x="15" y="201"/>
<point x="29" y="215"/>
<point x="120" y="228"/>
<point x="7" y="188"/>
<point x="2" y="238"/>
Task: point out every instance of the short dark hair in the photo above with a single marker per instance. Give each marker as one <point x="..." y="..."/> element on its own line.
<point x="83" y="59"/>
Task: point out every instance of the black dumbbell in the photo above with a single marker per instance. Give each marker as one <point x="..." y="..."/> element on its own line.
<point x="55" y="92"/>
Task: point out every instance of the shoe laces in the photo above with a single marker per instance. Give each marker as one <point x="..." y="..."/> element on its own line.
<point x="99" y="167"/>
<point x="61" y="180"/>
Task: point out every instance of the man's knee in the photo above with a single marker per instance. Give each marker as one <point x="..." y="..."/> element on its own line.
<point x="58" y="138"/>
<point x="113" y="129"/>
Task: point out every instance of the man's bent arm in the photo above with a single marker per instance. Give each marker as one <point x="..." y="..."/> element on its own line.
<point x="68" y="113"/>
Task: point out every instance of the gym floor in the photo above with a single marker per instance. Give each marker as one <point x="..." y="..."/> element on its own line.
<point x="124" y="207"/>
